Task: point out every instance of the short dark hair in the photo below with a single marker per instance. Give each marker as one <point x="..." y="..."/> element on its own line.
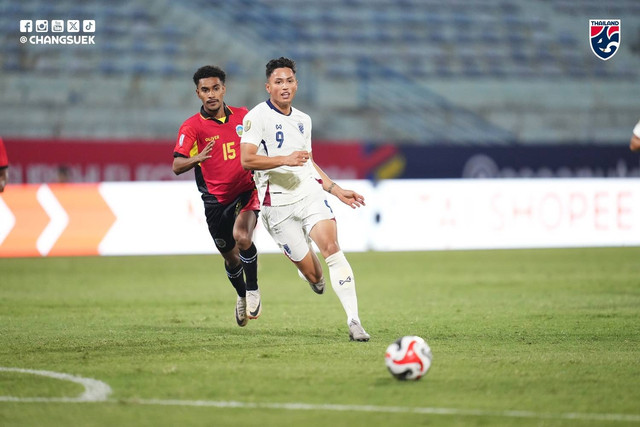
<point x="209" y="71"/>
<point x="281" y="62"/>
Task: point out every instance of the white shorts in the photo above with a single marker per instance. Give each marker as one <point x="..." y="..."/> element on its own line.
<point x="290" y="225"/>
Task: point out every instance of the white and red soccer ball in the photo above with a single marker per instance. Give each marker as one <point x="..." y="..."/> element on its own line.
<point x="408" y="358"/>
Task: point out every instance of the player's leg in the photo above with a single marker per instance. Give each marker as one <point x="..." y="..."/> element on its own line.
<point x="243" y="228"/>
<point x="325" y="234"/>
<point x="234" y="269"/>
<point x="286" y="230"/>
<point x="221" y="230"/>
<point x="310" y="269"/>
<point x="243" y="234"/>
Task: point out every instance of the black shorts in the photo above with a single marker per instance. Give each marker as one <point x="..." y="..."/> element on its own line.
<point x="221" y="218"/>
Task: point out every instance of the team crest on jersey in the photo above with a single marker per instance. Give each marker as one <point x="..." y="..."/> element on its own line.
<point x="604" y="37"/>
<point x="301" y="128"/>
<point x="239" y="129"/>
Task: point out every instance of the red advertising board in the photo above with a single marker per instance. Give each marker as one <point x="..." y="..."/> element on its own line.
<point x="49" y="161"/>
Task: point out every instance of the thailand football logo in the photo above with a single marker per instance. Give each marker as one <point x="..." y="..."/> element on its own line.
<point x="604" y="37"/>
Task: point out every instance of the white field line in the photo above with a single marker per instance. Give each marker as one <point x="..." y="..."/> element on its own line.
<point x="94" y="390"/>
<point x="98" y="391"/>
<point x="388" y="409"/>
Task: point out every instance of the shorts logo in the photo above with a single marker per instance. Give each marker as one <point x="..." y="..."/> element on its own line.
<point x="239" y="129"/>
<point x="220" y="243"/>
<point x="287" y="249"/>
<point x="604" y="37"/>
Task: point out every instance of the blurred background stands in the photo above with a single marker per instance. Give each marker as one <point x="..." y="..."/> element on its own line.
<point x="416" y="71"/>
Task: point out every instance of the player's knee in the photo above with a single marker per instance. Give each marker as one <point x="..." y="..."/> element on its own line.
<point x="329" y="249"/>
<point x="243" y="239"/>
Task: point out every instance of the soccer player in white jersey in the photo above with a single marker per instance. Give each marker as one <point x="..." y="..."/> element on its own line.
<point x="276" y="145"/>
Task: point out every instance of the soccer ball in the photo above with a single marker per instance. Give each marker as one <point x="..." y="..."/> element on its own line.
<point x="408" y="358"/>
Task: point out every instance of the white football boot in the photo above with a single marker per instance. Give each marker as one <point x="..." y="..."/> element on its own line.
<point x="241" y="311"/>
<point x="254" y="305"/>
<point x="357" y="332"/>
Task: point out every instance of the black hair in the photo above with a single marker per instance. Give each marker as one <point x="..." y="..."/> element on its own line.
<point x="209" y="71"/>
<point x="281" y="62"/>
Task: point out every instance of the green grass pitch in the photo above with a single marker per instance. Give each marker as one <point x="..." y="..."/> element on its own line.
<point x="521" y="337"/>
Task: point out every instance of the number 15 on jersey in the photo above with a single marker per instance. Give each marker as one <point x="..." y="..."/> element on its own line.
<point x="228" y="151"/>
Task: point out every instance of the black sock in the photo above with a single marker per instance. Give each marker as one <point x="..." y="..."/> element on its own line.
<point x="249" y="260"/>
<point x="235" y="277"/>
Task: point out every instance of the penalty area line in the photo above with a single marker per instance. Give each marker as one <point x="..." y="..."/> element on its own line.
<point x="387" y="409"/>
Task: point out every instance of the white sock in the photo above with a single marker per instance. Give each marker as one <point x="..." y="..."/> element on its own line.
<point x="344" y="284"/>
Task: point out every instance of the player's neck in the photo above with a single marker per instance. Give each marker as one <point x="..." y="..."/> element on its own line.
<point x="284" y="108"/>
<point x="216" y="114"/>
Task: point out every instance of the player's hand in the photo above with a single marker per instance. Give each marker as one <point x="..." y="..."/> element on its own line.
<point x="297" y="158"/>
<point x="206" y="153"/>
<point x="349" y="197"/>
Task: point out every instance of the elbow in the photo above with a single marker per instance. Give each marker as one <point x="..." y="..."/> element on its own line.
<point x="245" y="164"/>
<point x="177" y="170"/>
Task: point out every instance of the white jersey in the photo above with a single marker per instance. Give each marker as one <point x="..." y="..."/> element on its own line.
<point x="276" y="134"/>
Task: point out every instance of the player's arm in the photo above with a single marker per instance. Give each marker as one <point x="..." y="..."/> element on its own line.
<point x="348" y="197"/>
<point x="251" y="160"/>
<point x="3" y="177"/>
<point x="183" y="164"/>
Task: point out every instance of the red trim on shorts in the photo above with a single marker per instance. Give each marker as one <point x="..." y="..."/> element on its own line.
<point x="253" y="204"/>
<point x="267" y="197"/>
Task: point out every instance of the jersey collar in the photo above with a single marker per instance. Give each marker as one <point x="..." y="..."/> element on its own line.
<point x="207" y="116"/>
<point x="274" y="108"/>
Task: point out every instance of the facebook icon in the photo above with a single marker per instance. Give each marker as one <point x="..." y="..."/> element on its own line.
<point x="26" y="26"/>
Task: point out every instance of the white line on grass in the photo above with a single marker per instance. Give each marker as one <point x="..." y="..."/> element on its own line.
<point x="94" y="390"/>
<point x="98" y="391"/>
<point x="389" y="409"/>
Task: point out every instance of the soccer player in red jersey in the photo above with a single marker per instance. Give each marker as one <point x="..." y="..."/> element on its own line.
<point x="209" y="142"/>
<point x="4" y="166"/>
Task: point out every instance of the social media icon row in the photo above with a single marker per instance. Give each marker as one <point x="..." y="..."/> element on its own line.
<point x="57" y="26"/>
